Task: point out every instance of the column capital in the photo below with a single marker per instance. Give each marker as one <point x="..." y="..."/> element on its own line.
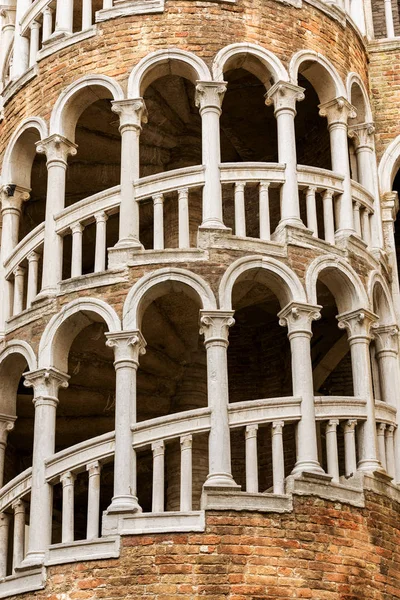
<point x="158" y="448"/>
<point x="349" y="425"/>
<point x="214" y="324"/>
<point x="6" y="425"/>
<point x="12" y="197"/>
<point x="18" y="506"/>
<point x="67" y="478"/>
<point x="33" y="257"/>
<point x="186" y="441"/>
<point x="101" y="217"/>
<point x="358" y="323"/>
<point x="284" y="95"/>
<point x="158" y="198"/>
<point x="132" y="113"/>
<point x="386" y="338"/>
<point x="337" y="111"/>
<point x="277" y="427"/>
<point x="56" y="148"/>
<point x="390" y="206"/>
<point x="331" y="425"/>
<point x="93" y="468"/>
<point x="251" y="431"/>
<point x="77" y="228"/>
<point x="362" y="135"/>
<point x="298" y="317"/>
<point x="381" y="427"/>
<point x="45" y="384"/>
<point x="128" y="346"/>
<point x="210" y="94"/>
<point x="390" y="430"/>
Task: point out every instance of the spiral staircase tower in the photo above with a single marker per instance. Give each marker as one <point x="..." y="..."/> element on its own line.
<point x="199" y="299"/>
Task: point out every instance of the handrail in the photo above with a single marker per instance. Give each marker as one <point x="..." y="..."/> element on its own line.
<point x="264" y="411"/>
<point x="15" y="489"/>
<point x="169" y="181"/>
<point x="35" y="9"/>
<point x="362" y="195"/>
<point x="84" y="210"/>
<point x="171" y="426"/>
<point x="28" y="244"/>
<point x="252" y="171"/>
<point x="322" y="179"/>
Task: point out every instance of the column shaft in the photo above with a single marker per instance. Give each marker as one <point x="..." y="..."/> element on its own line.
<point x="101" y="242"/>
<point x="251" y="459"/>
<point x="183" y="208"/>
<point x="19" y="533"/>
<point x="93" y="516"/>
<point x="265" y="226"/>
<point x="350" y="457"/>
<point x="158" y="477"/>
<point x="278" y="459"/>
<point x="332" y="450"/>
<point x="68" y="499"/>
<point x="186" y="473"/>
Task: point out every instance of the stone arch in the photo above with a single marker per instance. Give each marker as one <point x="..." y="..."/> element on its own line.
<point x="76" y="98"/>
<point x="65" y="326"/>
<point x="282" y="281"/>
<point x="389" y="165"/>
<point x="359" y="98"/>
<point x="320" y="72"/>
<point x="153" y="285"/>
<point x="341" y="280"/>
<point x="257" y="60"/>
<point x="166" y="62"/>
<point x="21" y="151"/>
<point x="14" y="358"/>
<point x="380" y="298"/>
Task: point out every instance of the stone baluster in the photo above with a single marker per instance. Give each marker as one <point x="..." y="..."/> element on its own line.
<point x="76" y="260"/>
<point x="93" y="516"/>
<point x="21" y="43"/>
<point x="183" y="219"/>
<point x="128" y="346"/>
<point x="101" y="242"/>
<point x="332" y="449"/>
<point x="57" y="149"/>
<point x="278" y="459"/>
<point x="19" y="282"/>
<point x="357" y="218"/>
<point x="158" y="450"/>
<point x="338" y="111"/>
<point x="366" y="226"/>
<point x="86" y="14"/>
<point x="390" y="455"/>
<point x="329" y="223"/>
<point x="265" y="222"/>
<point x="251" y="459"/>
<point x="389" y="19"/>
<point x="350" y="456"/>
<point x="209" y="96"/>
<point x="158" y="222"/>
<point x="33" y="278"/>
<point x="311" y="207"/>
<point x="64" y="18"/>
<point x="19" y="508"/>
<point x="284" y="96"/>
<point x="380" y="431"/>
<point x="107" y="4"/>
<point x="186" y="473"/>
<point x="34" y="42"/>
<point x="132" y="113"/>
<point x="68" y="501"/>
<point x="6" y="425"/>
<point x="358" y="324"/>
<point x="46" y="384"/>
<point x="298" y="318"/>
<point x="240" y="213"/>
<point x="47" y="29"/>
<point x="215" y="326"/>
<point x="4" y="533"/>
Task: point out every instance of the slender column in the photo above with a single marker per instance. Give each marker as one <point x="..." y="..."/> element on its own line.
<point x="132" y="113"/>
<point x="57" y="150"/>
<point x="158" y="450"/>
<point x="76" y="262"/>
<point x="332" y="449"/>
<point x="240" y="213"/>
<point x="19" y="279"/>
<point x="64" y="18"/>
<point x="265" y="224"/>
<point x="338" y="111"/>
<point x="107" y="4"/>
<point x="34" y="42"/>
<point x="183" y="208"/>
<point x="47" y="23"/>
<point x="21" y="43"/>
<point x="350" y="457"/>
<point x="366" y="227"/>
<point x="251" y="459"/>
<point x="186" y="473"/>
<point x="357" y="218"/>
<point x="45" y="383"/>
<point x="209" y="96"/>
<point x="278" y="459"/>
<point x="381" y="444"/>
<point x="389" y="19"/>
<point x="33" y="276"/>
<point x="101" y="242"/>
<point x="7" y="32"/>
<point x="298" y="318"/>
<point x="284" y="96"/>
<point x="4" y="531"/>
<point x="19" y="508"/>
<point x="390" y="455"/>
<point x="358" y="324"/>
<point x="329" y="224"/>
<point x="93" y="516"/>
<point x="311" y="206"/>
<point x="6" y="426"/>
<point x="215" y="326"/>
<point x="86" y="14"/>
<point x="128" y="346"/>
<point x="158" y="222"/>
<point x="68" y="500"/>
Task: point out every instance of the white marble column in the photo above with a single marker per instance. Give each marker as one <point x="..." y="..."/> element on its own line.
<point x="380" y="432"/>
<point x="215" y="326"/>
<point x="298" y="317"/>
<point x="284" y="96"/>
<point x="33" y="278"/>
<point x="358" y="324"/>
<point x="329" y="223"/>
<point x="183" y="218"/>
<point x="34" y="43"/>
<point x="4" y="533"/>
<point x="312" y="222"/>
<point x="127" y="346"/>
<point x="389" y="19"/>
<point x="7" y="32"/>
<point x="19" y="283"/>
<point x="278" y="458"/>
<point x="47" y="23"/>
<point x="76" y="259"/>
<point x="132" y="113"/>
<point x="332" y="449"/>
<point x="251" y="459"/>
<point x="158" y="449"/>
<point x="240" y="212"/>
<point x="186" y="473"/>
<point x="46" y="384"/>
<point x="101" y="242"/>
<point x="57" y="149"/>
<point x="6" y="425"/>
<point x="64" y="18"/>
<point x="93" y="515"/>
<point x="390" y="453"/>
<point x="158" y="222"/>
<point x="350" y="455"/>
<point x="21" y="43"/>
<point x="86" y="14"/>
<point x="68" y="502"/>
<point x="209" y="97"/>
<point x="19" y="508"/>
<point x="265" y="221"/>
<point x="337" y="112"/>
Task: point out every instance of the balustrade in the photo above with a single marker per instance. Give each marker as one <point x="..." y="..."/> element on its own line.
<point x="13" y="527"/>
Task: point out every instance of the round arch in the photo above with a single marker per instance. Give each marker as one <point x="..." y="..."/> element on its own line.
<point x="257" y="60"/>
<point x="63" y="327"/>
<point x="152" y="286"/>
<point x="389" y="165"/>
<point x="361" y="100"/>
<point x="21" y="151"/>
<point x="22" y="355"/>
<point x="320" y="72"/>
<point x="380" y="298"/>
<point x="76" y="98"/>
<point x="281" y="279"/>
<point x="166" y="62"/>
<point x="341" y="280"/>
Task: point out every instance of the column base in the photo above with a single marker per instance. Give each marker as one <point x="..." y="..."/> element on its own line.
<point x="309" y="466"/>
<point x="45" y="294"/>
<point x="292" y="222"/>
<point x="124" y="251"/>
<point x="32" y="560"/>
<point x="213" y="224"/>
<point x="220" y="480"/>
<point x="124" y="504"/>
<point x="369" y="465"/>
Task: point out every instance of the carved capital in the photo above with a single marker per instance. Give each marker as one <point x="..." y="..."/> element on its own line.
<point x="45" y="384"/>
<point x="298" y="317"/>
<point x="128" y="346"/>
<point x="349" y="426"/>
<point x="93" y="468"/>
<point x="56" y="148"/>
<point x="277" y="427"/>
<point x="6" y="425"/>
<point x="186" y="442"/>
<point x="158" y="448"/>
<point x="210" y="94"/>
<point x="284" y="95"/>
<point x="386" y="338"/>
<point x="358" y="323"/>
<point x="251" y="431"/>
<point x="132" y="113"/>
<point x="67" y="479"/>
<point x="13" y="196"/>
<point x="214" y="324"/>
<point x="362" y="135"/>
<point x="338" y="110"/>
<point x="331" y="426"/>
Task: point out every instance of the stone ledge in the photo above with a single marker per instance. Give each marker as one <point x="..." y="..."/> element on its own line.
<point x="64" y="41"/>
<point x="168" y="255"/>
<point x="93" y="280"/>
<point x="321" y="485"/>
<point x="27" y="581"/>
<point x="381" y="483"/>
<point x="223" y="239"/>
<point x="82" y="550"/>
<point x="166" y="522"/>
<point x="37" y="310"/>
<point x="217" y="499"/>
